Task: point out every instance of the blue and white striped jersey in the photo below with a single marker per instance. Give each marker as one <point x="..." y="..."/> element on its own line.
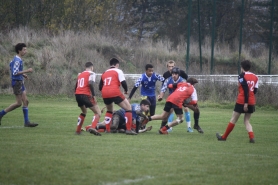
<point x="16" y="65"/>
<point x="148" y="83"/>
<point x="168" y="81"/>
<point x="134" y="107"/>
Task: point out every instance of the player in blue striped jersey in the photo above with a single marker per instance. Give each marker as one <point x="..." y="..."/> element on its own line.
<point x="17" y="76"/>
<point x="148" y="87"/>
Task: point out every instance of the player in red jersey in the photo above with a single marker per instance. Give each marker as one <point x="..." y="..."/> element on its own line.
<point x="109" y="85"/>
<point x="183" y="91"/>
<point x="85" y="98"/>
<point x="245" y="103"/>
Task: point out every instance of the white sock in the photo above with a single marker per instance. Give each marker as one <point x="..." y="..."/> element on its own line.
<point x="188" y="124"/>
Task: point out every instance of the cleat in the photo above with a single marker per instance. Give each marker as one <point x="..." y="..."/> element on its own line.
<point x="189" y="129"/>
<point x="198" y="128"/>
<point x="219" y="137"/>
<point x="252" y="140"/>
<point x="77" y="133"/>
<point x="146" y="129"/>
<point x="170" y="130"/>
<point x="149" y="128"/>
<point x="94" y="131"/>
<point x="162" y="132"/>
<point x="28" y="124"/>
<point x="122" y="131"/>
<point x="113" y="131"/>
<point x="130" y="132"/>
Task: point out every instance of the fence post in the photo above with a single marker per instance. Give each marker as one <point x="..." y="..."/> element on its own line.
<point x="200" y="39"/>
<point x="188" y="35"/>
<point x="212" y="38"/>
<point x="240" y="35"/>
<point x="271" y="35"/>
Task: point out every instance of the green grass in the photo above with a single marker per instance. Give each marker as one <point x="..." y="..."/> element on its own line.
<point x="52" y="154"/>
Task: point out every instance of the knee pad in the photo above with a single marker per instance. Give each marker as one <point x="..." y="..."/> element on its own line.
<point x="179" y="120"/>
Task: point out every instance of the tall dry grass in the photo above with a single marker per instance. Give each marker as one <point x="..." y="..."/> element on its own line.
<point x="57" y="59"/>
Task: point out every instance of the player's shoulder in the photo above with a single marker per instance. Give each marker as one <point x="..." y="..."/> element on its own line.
<point x="166" y="74"/>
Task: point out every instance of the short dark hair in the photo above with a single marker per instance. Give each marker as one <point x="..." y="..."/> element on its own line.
<point x="192" y="81"/>
<point x="148" y="66"/>
<point x="145" y="102"/>
<point x="88" y="64"/>
<point x="114" y="61"/>
<point x="175" y="70"/>
<point x="19" y="47"/>
<point x="246" y="65"/>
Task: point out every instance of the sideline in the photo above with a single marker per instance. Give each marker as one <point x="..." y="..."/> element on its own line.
<point x="11" y="127"/>
<point x="129" y="181"/>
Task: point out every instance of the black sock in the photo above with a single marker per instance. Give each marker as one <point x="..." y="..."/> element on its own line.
<point x="196" y="118"/>
<point x="163" y="123"/>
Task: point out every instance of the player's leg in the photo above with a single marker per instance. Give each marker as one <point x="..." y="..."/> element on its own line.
<point x="170" y="119"/>
<point x="95" y="108"/>
<point x="81" y="118"/>
<point x="187" y="119"/>
<point x="26" y="111"/>
<point x="115" y="122"/>
<point x="196" y="114"/>
<point x="128" y="114"/>
<point x="17" y="89"/>
<point x="248" y="127"/>
<point x="109" y="113"/>
<point x="230" y="126"/>
<point x="179" y="113"/>
<point x="152" y="100"/>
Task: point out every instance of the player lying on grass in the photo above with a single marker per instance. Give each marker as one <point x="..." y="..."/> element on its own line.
<point x="181" y="96"/>
<point x="139" y="119"/>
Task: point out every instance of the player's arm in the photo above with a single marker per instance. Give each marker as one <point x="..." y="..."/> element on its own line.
<point x="245" y="88"/>
<point x="124" y="85"/>
<point x="183" y="75"/>
<point x="136" y="85"/>
<point x="159" y="77"/>
<point x="100" y="85"/>
<point x="163" y="90"/>
<point x="255" y="90"/>
<point x="91" y="83"/>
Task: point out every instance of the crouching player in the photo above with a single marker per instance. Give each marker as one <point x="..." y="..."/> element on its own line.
<point x="184" y="90"/>
<point x="139" y="119"/>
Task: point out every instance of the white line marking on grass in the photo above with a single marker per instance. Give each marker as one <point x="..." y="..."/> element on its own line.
<point x="11" y="127"/>
<point x="129" y="181"/>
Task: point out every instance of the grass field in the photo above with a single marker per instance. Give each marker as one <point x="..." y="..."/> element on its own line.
<point x="52" y="154"/>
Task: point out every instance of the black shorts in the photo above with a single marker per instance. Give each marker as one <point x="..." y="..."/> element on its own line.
<point x="168" y="106"/>
<point x="116" y="100"/>
<point x="118" y="117"/>
<point x="239" y="108"/>
<point x="18" y="87"/>
<point x="86" y="100"/>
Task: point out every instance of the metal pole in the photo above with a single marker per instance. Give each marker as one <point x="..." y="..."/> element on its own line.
<point x="200" y="39"/>
<point x="188" y="35"/>
<point x="271" y="33"/>
<point x="212" y="38"/>
<point x="240" y="36"/>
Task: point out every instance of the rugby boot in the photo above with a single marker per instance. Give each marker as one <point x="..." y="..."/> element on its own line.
<point x="94" y="131"/>
<point x="28" y="124"/>
<point x="219" y="137"/>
